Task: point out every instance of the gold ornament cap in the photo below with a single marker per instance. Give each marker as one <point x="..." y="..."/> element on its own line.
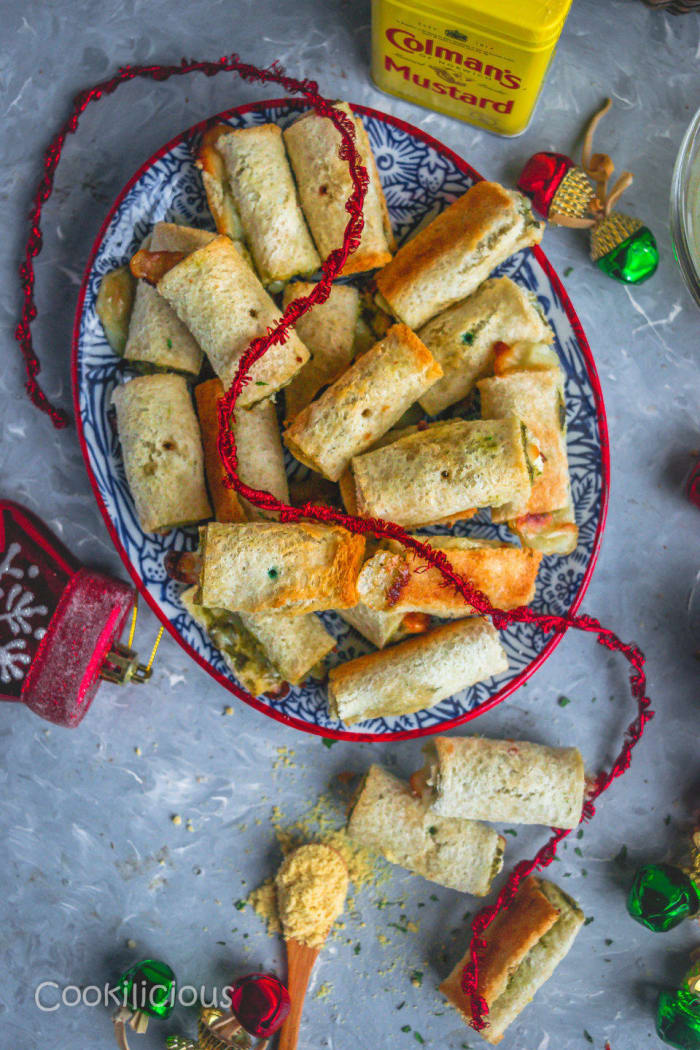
<point x="573" y="196"/>
<point x="613" y="230"/>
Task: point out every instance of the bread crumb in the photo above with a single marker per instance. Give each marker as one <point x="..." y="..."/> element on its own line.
<point x="312" y="885"/>
<point x="137" y="750"/>
<point x="228" y="710"/>
<point x="323" y="823"/>
<point x="131" y="943"/>
<point x="285" y="758"/>
<point x="324" y="991"/>
<point x="263" y="900"/>
<point x="176" y="818"/>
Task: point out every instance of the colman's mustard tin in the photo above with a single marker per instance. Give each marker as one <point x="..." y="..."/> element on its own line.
<point x="482" y="61"/>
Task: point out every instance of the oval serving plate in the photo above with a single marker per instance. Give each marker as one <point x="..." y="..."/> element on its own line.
<point x="420" y="178"/>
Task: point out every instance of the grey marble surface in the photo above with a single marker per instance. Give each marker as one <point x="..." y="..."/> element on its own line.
<point x="91" y="859"/>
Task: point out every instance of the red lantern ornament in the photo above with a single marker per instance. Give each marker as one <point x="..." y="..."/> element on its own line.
<point x="60" y="623"/>
<point x="259" y="1006"/>
<point x="692" y="485"/>
<point x="260" y="1002"/>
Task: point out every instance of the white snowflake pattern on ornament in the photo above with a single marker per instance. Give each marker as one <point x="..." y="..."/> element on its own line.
<point x="18" y="607"/>
<point x="18" y="610"/>
<point x="6" y="566"/>
<point x="13" y="660"/>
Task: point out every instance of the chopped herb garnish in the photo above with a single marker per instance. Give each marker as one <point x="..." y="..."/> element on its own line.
<point x="621" y="858"/>
<point x="609" y="941"/>
<point x="584" y="872"/>
<point x="467" y="338"/>
<point x="568" y="270"/>
<point x="273" y="573"/>
<point x="406" y="1028"/>
<point x="510" y="831"/>
<point x="587" y="1036"/>
<point x="260" y="382"/>
<point x="239" y="905"/>
<point x="563" y="701"/>
<point x="578" y="851"/>
<point x="588" y="920"/>
<point x="357" y="949"/>
<point x="170" y="343"/>
<point x="417" y="978"/>
<point x="401" y="929"/>
<point x="467" y="916"/>
<point x="328" y="743"/>
<point x="432" y="830"/>
<point x="222" y="943"/>
<point x="579" y="833"/>
<point x="433" y="897"/>
<point x="667" y="819"/>
<point x="401" y="1005"/>
<point x="418" y="1037"/>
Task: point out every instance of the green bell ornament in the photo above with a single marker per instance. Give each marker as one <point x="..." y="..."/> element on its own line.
<point x="678" y="1013"/>
<point x="147" y="990"/>
<point x="663" y="895"/>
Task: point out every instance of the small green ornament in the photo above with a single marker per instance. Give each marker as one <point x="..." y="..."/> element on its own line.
<point x="661" y="896"/>
<point x="678" y="1013"/>
<point x="148" y="987"/>
<point x="634" y="260"/>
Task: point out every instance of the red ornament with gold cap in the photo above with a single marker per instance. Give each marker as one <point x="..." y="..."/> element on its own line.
<point x="568" y="195"/>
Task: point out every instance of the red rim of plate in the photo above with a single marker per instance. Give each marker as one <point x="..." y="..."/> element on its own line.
<point x="592" y="372"/>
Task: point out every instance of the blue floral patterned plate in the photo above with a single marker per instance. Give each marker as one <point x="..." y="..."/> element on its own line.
<point x="420" y="178"/>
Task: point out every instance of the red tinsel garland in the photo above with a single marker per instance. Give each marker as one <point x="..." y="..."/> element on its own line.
<point x="227" y="448"/>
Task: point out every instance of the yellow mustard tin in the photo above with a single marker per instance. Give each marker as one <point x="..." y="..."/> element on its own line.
<point x="482" y="61"/>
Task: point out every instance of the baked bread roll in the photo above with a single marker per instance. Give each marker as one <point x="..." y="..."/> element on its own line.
<point x="530" y="383"/>
<point x="448" y="259"/>
<point x="363" y="403"/>
<point x="538" y="399"/>
<point x="460" y="854"/>
<point x="157" y="336"/>
<point x="162" y="450"/>
<point x="397" y="580"/>
<point x="227" y="506"/>
<point x="379" y="628"/>
<point x="348" y="489"/>
<point x="328" y="332"/>
<point x="509" y="780"/>
<point x="266" y="650"/>
<point x="524" y="945"/>
<point x="445" y="470"/>
<point x="416" y="673"/>
<point x="324" y="186"/>
<point x="261" y="184"/>
<point x="462" y="338"/>
<point x="259" y="451"/>
<point x="216" y="294"/>
<point x="262" y="566"/>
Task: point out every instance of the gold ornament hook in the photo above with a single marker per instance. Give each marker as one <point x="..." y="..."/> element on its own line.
<point x="121" y="664"/>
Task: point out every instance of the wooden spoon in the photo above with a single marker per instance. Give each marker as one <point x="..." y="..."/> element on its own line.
<point x="300" y="963"/>
<point x="310" y="894"/>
